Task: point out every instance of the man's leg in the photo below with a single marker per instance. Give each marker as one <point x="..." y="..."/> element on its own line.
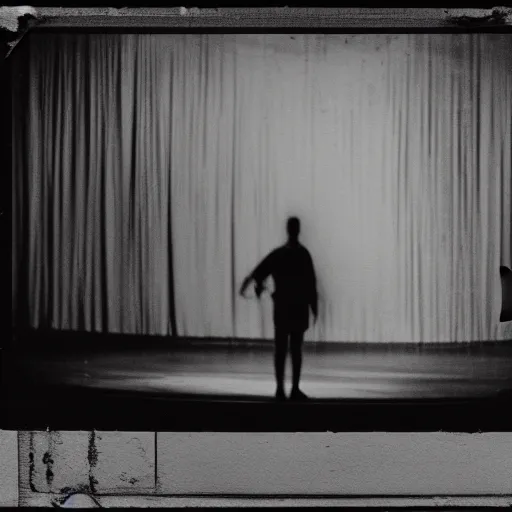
<point x="281" y="346"/>
<point x="296" y="341"/>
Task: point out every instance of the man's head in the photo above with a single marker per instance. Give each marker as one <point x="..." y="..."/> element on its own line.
<point x="293" y="228"/>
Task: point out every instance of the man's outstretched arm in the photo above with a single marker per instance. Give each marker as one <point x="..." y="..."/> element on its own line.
<point x="258" y="275"/>
<point x="245" y="284"/>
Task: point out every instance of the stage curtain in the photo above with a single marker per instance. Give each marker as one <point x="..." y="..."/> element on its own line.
<point x="152" y="172"/>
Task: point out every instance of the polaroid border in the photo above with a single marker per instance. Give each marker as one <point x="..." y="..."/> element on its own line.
<point x="458" y="457"/>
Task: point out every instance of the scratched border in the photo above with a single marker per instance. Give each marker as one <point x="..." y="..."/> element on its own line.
<point x="261" y="19"/>
<point x="280" y="18"/>
<point x="466" y="464"/>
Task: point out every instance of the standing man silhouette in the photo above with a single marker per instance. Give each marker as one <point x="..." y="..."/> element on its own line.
<point x="291" y="267"/>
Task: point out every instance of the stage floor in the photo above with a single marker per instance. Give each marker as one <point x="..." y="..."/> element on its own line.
<point x="207" y="371"/>
<point x="247" y="372"/>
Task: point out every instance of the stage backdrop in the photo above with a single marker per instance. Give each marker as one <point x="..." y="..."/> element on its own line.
<point x="153" y="172"/>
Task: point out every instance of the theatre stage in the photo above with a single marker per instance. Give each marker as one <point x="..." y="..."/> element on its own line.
<point x="67" y="380"/>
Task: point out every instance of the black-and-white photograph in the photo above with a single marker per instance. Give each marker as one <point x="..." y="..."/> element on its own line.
<point x="260" y="231"/>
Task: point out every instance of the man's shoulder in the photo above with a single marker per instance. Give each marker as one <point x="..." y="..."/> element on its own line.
<point x="304" y="250"/>
<point x="299" y="249"/>
<point x="298" y="246"/>
<point x="275" y="254"/>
